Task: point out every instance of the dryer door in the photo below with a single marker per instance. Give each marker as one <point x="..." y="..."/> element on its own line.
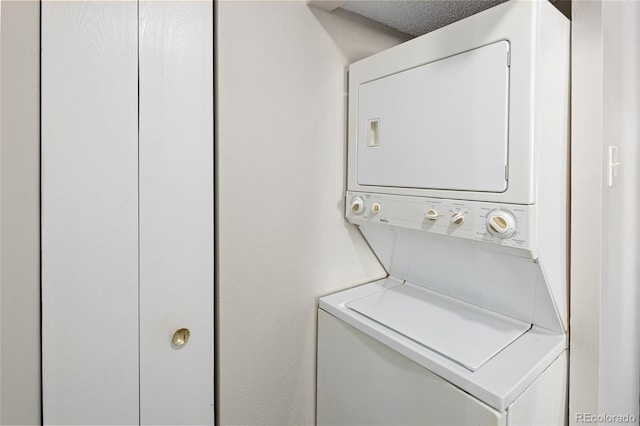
<point x="442" y="125"/>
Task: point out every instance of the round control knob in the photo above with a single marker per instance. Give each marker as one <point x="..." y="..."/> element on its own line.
<point x="500" y="223"/>
<point x="375" y="208"/>
<point x="457" y="218"/>
<point x="357" y="205"/>
<point x="431" y="214"/>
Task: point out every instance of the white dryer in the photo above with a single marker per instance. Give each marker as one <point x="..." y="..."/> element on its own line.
<point x="457" y="178"/>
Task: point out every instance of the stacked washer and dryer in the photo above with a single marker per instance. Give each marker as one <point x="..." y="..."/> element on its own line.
<point x="457" y="178"/>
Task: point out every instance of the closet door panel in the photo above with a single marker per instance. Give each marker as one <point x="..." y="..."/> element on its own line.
<point x="176" y="211"/>
<point x="90" y="212"/>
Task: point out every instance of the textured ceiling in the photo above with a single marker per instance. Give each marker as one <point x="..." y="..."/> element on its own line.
<point x="417" y="17"/>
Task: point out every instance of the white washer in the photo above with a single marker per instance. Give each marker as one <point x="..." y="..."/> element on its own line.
<point x="457" y="178"/>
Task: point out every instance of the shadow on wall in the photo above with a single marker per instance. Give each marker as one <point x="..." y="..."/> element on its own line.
<point x="355" y="45"/>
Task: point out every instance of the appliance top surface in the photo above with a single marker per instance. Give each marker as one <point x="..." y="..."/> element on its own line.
<point x="460" y="331"/>
<point x="498" y="382"/>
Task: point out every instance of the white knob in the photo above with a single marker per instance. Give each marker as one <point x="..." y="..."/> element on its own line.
<point x="375" y="208"/>
<point x="457" y="218"/>
<point x="357" y="205"/>
<point x="431" y="214"/>
<point x="500" y="223"/>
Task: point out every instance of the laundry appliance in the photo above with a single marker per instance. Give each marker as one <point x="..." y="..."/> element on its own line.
<point x="457" y="179"/>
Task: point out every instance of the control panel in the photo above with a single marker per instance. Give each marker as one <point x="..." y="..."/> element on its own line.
<point x="502" y="224"/>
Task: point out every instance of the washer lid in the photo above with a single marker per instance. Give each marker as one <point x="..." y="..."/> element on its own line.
<point x="465" y="333"/>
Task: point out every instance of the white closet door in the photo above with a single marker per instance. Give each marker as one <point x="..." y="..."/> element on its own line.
<point x="90" y="212"/>
<point x="176" y="211"/>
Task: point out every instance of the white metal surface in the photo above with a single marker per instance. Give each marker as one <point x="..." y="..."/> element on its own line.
<point x="537" y="157"/>
<point x="537" y="85"/>
<point x="460" y="331"/>
<point x="176" y="211"/>
<point x="518" y="268"/>
<point x="497" y="383"/>
<point x="551" y="154"/>
<point x="434" y="216"/>
<point x="548" y="391"/>
<point x="442" y="125"/>
<point x="90" y="212"/>
<point x="511" y="285"/>
<point x="363" y="382"/>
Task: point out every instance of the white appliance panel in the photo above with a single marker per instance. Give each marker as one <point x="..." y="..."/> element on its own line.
<point x="451" y="116"/>
<point x="498" y="383"/>
<point x="465" y="333"/>
<point x="548" y="391"/>
<point x="436" y="216"/>
<point x="363" y="382"/>
<point x="443" y="125"/>
<point x="511" y="285"/>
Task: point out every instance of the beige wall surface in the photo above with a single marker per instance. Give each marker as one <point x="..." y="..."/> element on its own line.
<point x="283" y="240"/>
<point x="620" y="297"/>
<point x="586" y="206"/>
<point x="605" y="236"/>
<point x="19" y="213"/>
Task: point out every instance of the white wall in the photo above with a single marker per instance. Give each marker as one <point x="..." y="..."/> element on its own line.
<point x="19" y="213"/>
<point x="281" y="87"/>
<point x="620" y="327"/>
<point x="605" y="329"/>
<point x="586" y="206"/>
